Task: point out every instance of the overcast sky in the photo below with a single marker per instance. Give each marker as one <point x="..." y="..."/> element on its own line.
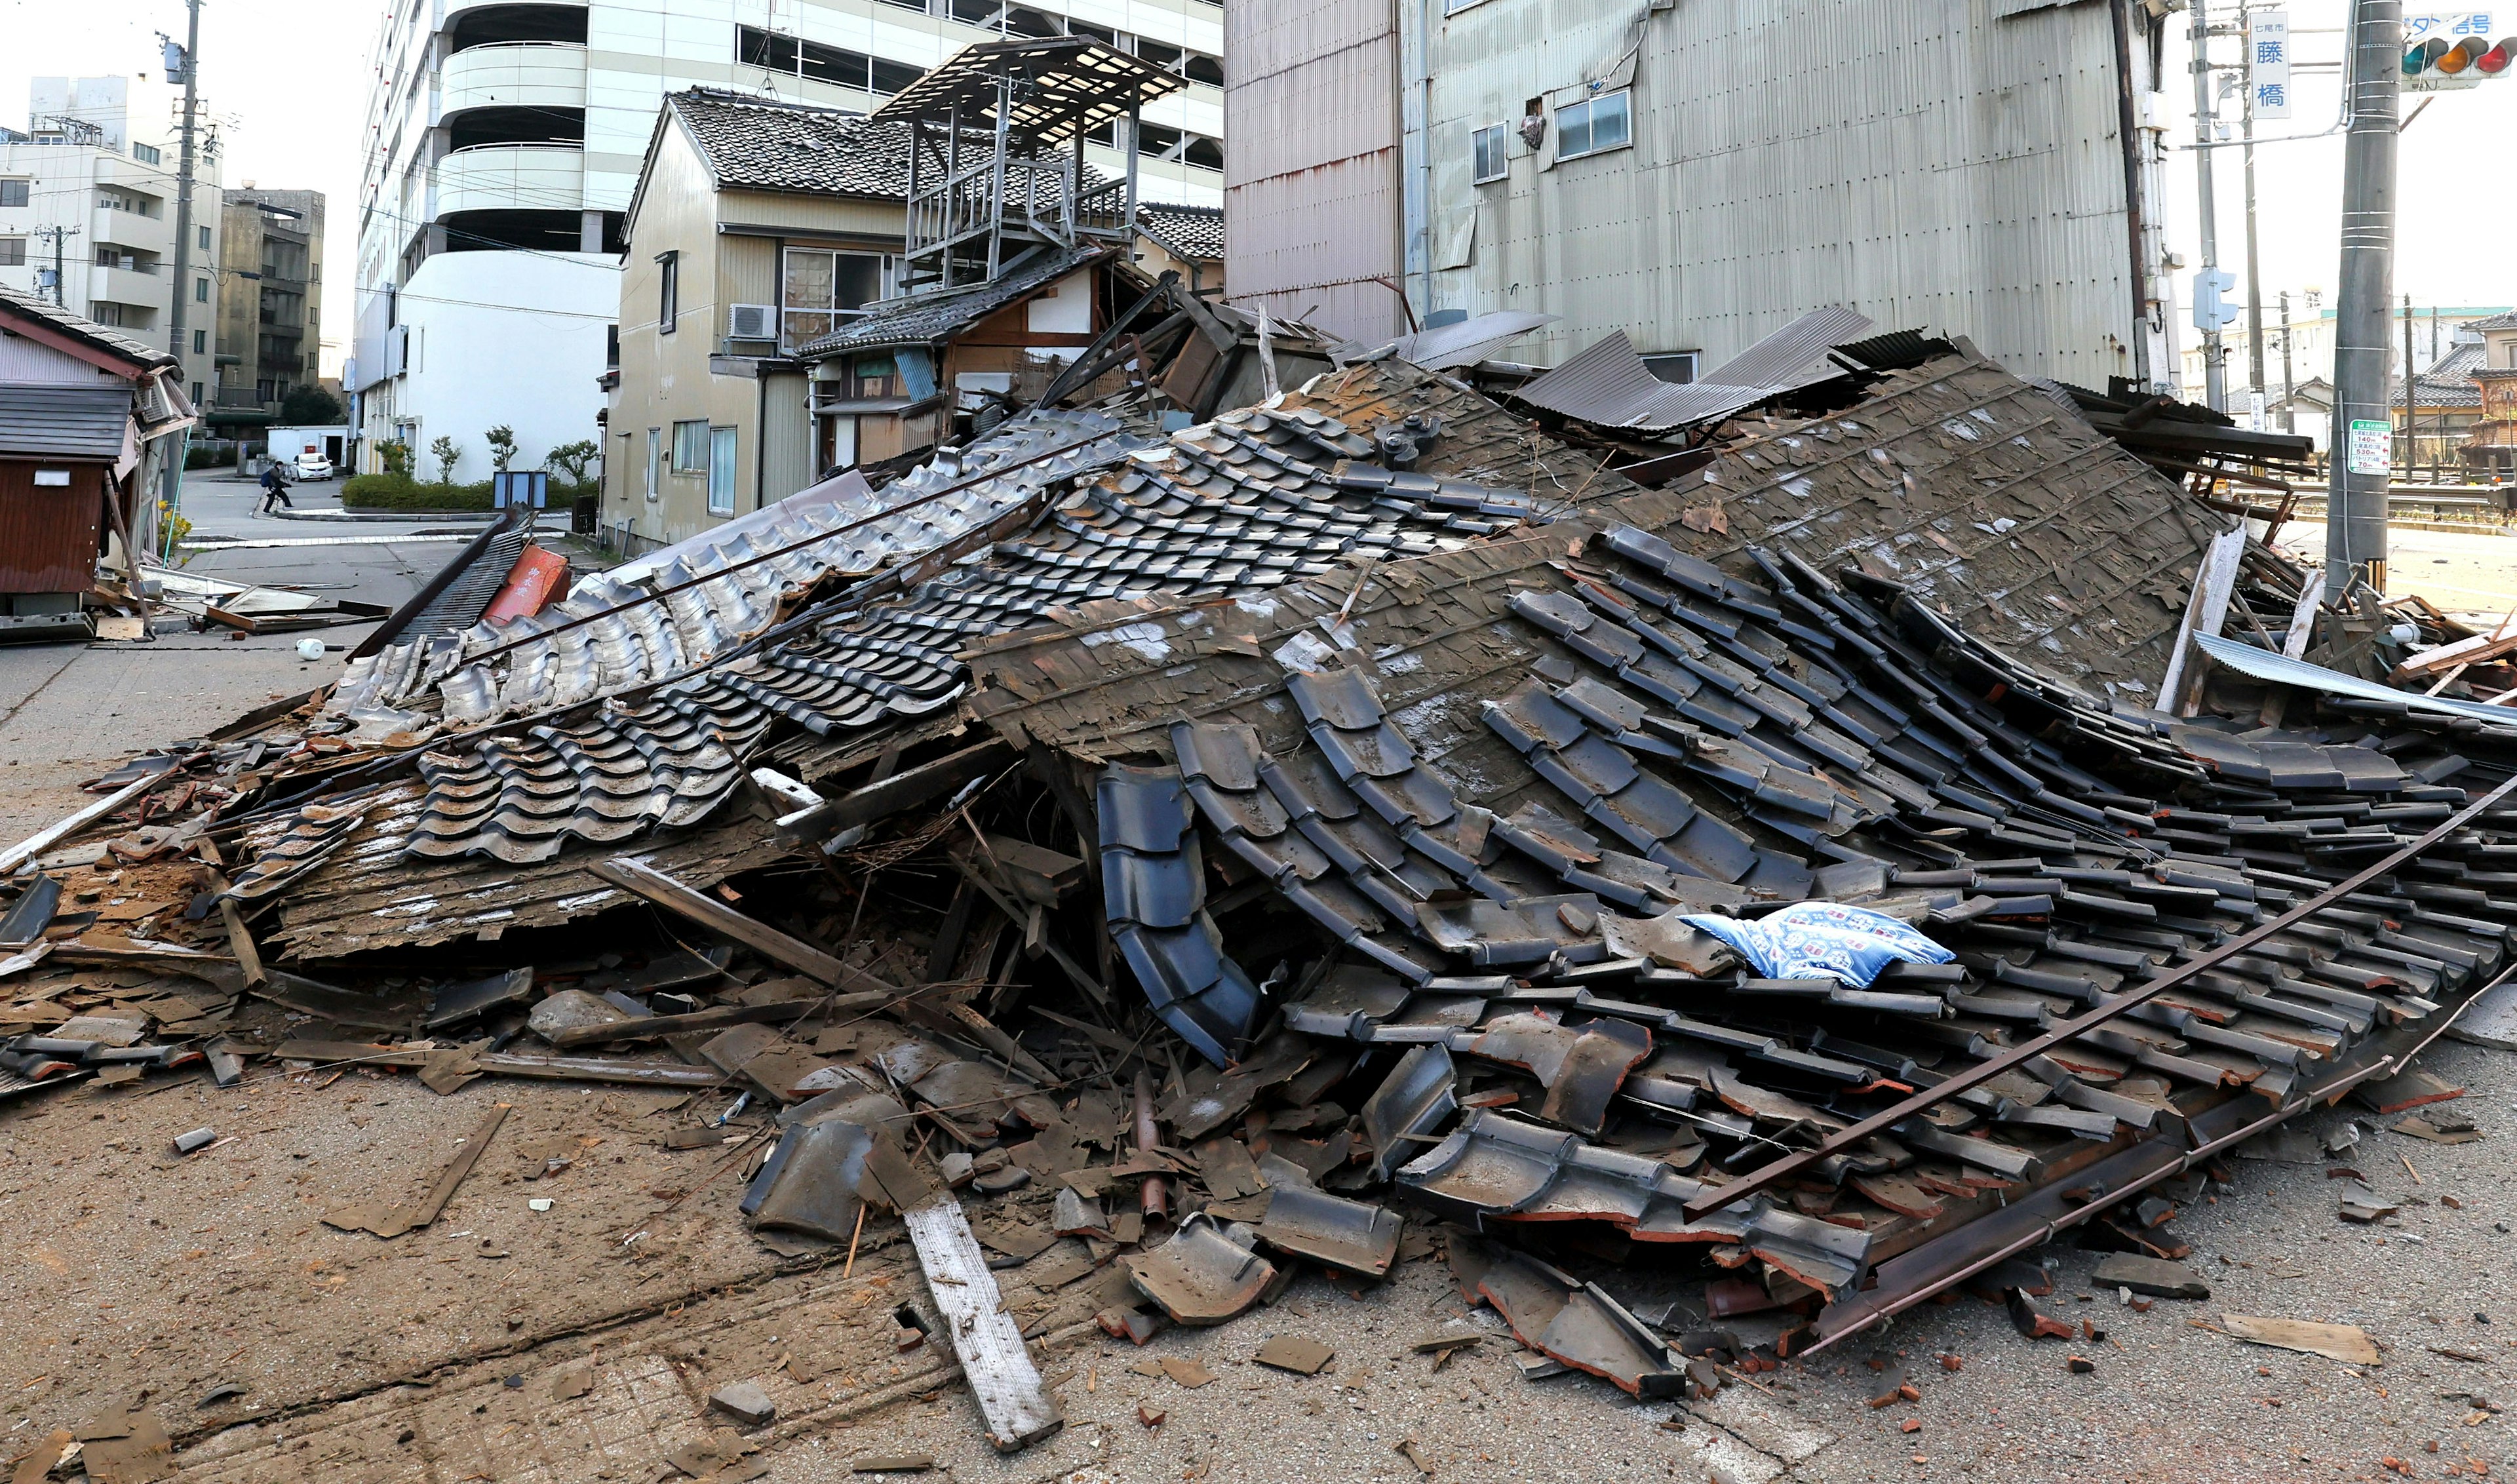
<point x="288" y="79"/>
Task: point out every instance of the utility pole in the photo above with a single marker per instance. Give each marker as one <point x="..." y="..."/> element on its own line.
<point x="181" y="344"/>
<point x="2355" y="527"/>
<point x="2215" y="363"/>
<point x="61" y="286"/>
<point x="2289" y="388"/>
<point x="2254" y="274"/>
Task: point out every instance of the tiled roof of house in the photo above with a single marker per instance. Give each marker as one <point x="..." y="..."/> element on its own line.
<point x="103" y="337"/>
<point x="764" y="145"/>
<point x="1190" y="231"/>
<point x="929" y="317"/>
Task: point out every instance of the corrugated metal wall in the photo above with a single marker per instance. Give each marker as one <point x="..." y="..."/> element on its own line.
<point x="786" y="438"/>
<point x="1927" y="161"/>
<point x="1310" y="198"/>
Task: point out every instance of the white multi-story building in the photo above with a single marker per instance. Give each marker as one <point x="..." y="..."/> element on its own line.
<point x="88" y="194"/>
<point x="504" y="138"/>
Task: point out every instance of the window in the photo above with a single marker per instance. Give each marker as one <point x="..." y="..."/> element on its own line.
<point x="690" y="447"/>
<point x="811" y="60"/>
<point x="13" y="193"/>
<point x="612" y="347"/>
<point x="1486" y="146"/>
<point x="655" y="464"/>
<point x="720" y="471"/>
<point x="1678" y="368"/>
<point x="200" y="291"/>
<point x="196" y="394"/>
<point x="817" y="286"/>
<point x="669" y="292"/>
<point x="145" y="155"/>
<point x="1203" y="153"/>
<point x="12" y="252"/>
<point x="205" y="238"/>
<point x="1592" y="125"/>
<point x="201" y="342"/>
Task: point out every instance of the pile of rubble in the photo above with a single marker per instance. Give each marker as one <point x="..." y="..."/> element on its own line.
<point x="1747" y="839"/>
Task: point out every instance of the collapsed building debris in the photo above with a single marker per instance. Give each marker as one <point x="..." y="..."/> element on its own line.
<point x="1144" y="864"/>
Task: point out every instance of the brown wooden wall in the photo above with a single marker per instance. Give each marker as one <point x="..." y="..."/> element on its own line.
<point x="48" y="537"/>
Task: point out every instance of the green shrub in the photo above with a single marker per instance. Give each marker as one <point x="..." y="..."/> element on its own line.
<point x="393" y="491"/>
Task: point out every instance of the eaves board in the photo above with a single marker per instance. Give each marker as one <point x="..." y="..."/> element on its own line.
<point x="2007" y="512"/>
<point x="371" y="896"/>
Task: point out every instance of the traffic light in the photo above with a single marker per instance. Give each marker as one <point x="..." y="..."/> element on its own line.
<point x="2453" y="51"/>
<point x="2211" y="309"/>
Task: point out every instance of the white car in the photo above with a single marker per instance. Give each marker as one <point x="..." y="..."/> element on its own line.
<point x="312" y="466"/>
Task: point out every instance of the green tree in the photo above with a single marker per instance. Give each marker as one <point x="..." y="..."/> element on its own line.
<point x="446" y="450"/>
<point x="309" y="406"/>
<point x="572" y="460"/>
<point x="502" y="447"/>
<point x="396" y="457"/>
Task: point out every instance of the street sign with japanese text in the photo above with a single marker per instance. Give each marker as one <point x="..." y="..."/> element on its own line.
<point x="2268" y="62"/>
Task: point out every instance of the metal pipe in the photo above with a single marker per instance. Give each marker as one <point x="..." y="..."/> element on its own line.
<point x="2411" y="404"/>
<point x="1155" y="1195"/>
<point x="2355" y="527"/>
<point x="2290" y="387"/>
<point x="1714" y="1197"/>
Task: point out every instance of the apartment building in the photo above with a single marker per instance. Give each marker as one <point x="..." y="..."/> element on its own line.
<point x="271" y="305"/>
<point x="88" y="209"/>
<point x="505" y="139"/>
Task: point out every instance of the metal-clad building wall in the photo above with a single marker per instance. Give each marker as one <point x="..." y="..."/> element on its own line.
<point x="786" y="435"/>
<point x="1933" y="163"/>
<point x="1310" y="197"/>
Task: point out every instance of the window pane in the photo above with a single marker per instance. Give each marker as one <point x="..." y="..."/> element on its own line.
<point x="809" y="277"/>
<point x="801" y="328"/>
<point x="1611" y="125"/>
<point x="721" y="471"/>
<point x="690" y="447"/>
<point x="1573" y="130"/>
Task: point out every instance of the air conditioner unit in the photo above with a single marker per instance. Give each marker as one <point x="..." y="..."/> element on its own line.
<point x="752" y="322"/>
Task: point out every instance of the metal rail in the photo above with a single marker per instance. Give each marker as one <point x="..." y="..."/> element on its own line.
<point x="1714" y="1197"/>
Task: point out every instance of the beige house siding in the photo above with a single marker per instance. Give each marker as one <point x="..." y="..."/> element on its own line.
<point x="728" y="245"/>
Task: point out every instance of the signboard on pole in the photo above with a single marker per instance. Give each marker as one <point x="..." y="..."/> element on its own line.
<point x="2268" y="62"/>
<point x="2372" y="450"/>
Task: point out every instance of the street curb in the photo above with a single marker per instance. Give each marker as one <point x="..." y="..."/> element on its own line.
<point x="433" y="517"/>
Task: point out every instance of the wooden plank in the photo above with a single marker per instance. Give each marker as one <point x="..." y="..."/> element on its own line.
<point x="2206" y="609"/>
<point x="597" y="1069"/>
<point x="2348" y="1343"/>
<point x="646" y="882"/>
<point x="2302" y="619"/>
<point x="716" y="1018"/>
<point x="922" y="784"/>
<point x="42" y="841"/>
<point x="1017" y="1409"/>
<point x="2477" y="650"/>
<point x="433" y="1205"/>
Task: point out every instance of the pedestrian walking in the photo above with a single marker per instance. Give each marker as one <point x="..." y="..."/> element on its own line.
<point x="274" y="486"/>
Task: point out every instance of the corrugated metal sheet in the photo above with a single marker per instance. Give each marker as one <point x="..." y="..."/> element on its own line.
<point x="2281" y="669"/>
<point x="1921" y="160"/>
<point x="1784" y="358"/>
<point x="65" y="422"/>
<point x="1311" y="196"/>
<point x="1609" y="384"/>
<point x="48" y="535"/>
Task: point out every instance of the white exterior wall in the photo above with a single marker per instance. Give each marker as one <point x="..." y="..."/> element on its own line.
<point x="485" y="331"/>
<point x="636" y="52"/>
<point x="1933" y="163"/>
<point x="67" y="183"/>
